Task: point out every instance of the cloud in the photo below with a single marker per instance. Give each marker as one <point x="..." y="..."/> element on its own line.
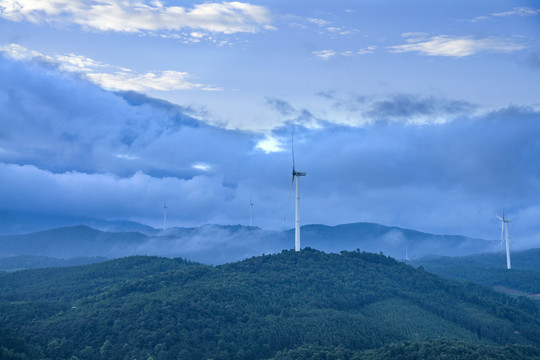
<point x="141" y="16"/>
<point x="367" y="50"/>
<point x="325" y="54"/>
<point x="455" y="46"/>
<point x="319" y="22"/>
<point x="202" y="166"/>
<point x="328" y="54"/>
<point x="518" y="11"/>
<point x="521" y="11"/>
<point x="358" y="111"/>
<point x="108" y="76"/>
<point x="269" y="145"/>
<point x="72" y="148"/>
<point x="417" y="110"/>
<point x="126" y="80"/>
<point x="283" y="107"/>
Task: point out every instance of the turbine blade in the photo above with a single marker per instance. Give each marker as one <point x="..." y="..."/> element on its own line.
<point x="290" y="188"/>
<point x="292" y="147"/>
<point x="502" y="233"/>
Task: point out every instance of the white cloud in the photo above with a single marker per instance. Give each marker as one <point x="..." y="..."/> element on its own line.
<point x="444" y="45"/>
<point x="141" y="16"/>
<point x="126" y="157"/>
<point x="325" y="54"/>
<point x="328" y="54"/>
<point x="269" y="145"/>
<point x="108" y="76"/>
<point x="368" y="50"/>
<point x="521" y="11"/>
<point x="162" y="81"/>
<point x="202" y="166"/>
<point x="319" y="22"/>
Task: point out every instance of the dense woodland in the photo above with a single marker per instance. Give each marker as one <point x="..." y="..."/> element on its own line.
<point x="306" y="305"/>
<point x="490" y="269"/>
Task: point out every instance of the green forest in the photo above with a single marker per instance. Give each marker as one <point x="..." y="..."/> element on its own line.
<point x="490" y="269"/>
<point x="292" y="305"/>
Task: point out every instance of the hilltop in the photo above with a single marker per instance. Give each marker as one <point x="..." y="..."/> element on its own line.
<point x="274" y="306"/>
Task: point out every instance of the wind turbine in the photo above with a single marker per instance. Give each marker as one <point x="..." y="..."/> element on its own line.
<point x="504" y="237"/>
<point x="164" y="215"/>
<point x="406" y="250"/>
<point x="296" y="174"/>
<point x="251" y="212"/>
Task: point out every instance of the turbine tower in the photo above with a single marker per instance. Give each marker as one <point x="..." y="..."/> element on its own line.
<point x="406" y="250"/>
<point x="296" y="174"/>
<point x="165" y="216"/>
<point x="504" y="237"/>
<point x="251" y="212"/>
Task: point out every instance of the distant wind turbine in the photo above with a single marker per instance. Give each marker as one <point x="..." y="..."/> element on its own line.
<point x="251" y="212"/>
<point x="504" y="236"/>
<point x="406" y="250"/>
<point x="296" y="174"/>
<point x="165" y="215"/>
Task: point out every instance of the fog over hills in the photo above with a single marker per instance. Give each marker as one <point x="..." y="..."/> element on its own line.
<point x="217" y="244"/>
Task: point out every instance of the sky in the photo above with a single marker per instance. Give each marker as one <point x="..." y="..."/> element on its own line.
<point x="418" y="114"/>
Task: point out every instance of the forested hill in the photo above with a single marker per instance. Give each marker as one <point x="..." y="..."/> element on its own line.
<point x="490" y="269"/>
<point x="292" y="305"/>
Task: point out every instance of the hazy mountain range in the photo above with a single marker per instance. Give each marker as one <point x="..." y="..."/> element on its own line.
<point x="213" y="244"/>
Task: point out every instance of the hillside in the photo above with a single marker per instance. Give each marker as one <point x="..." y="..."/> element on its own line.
<point x="22" y="262"/>
<point x="490" y="269"/>
<point x="24" y="222"/>
<point x="263" y="307"/>
<point x="391" y="240"/>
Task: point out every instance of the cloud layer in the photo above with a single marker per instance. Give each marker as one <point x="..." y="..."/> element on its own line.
<point x="141" y="16"/>
<point x="68" y="147"/>
<point x="456" y="46"/>
<point x="108" y="76"/>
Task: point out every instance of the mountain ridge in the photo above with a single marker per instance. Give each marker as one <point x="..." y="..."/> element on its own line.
<point x="217" y="244"/>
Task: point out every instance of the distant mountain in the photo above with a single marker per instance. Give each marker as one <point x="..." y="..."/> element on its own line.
<point x="218" y="244"/>
<point x="23" y="222"/>
<point x="70" y="242"/>
<point x="292" y="305"/>
<point x="391" y="240"/>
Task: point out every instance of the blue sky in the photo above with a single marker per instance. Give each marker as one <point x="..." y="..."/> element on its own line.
<point x="418" y="114"/>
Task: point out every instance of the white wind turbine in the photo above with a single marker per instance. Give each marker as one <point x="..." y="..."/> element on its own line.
<point x="165" y="215"/>
<point x="251" y="212"/>
<point x="296" y="174"/>
<point x="504" y="236"/>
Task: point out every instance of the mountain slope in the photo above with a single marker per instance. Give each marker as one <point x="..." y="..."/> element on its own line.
<point x="490" y="269"/>
<point x="391" y="240"/>
<point x="255" y="308"/>
<point x="24" y="222"/>
<point x="70" y="242"/>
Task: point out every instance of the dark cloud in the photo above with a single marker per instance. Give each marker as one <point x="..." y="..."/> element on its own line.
<point x="69" y="148"/>
<point x="404" y="106"/>
<point x="327" y="94"/>
<point x="283" y="107"/>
